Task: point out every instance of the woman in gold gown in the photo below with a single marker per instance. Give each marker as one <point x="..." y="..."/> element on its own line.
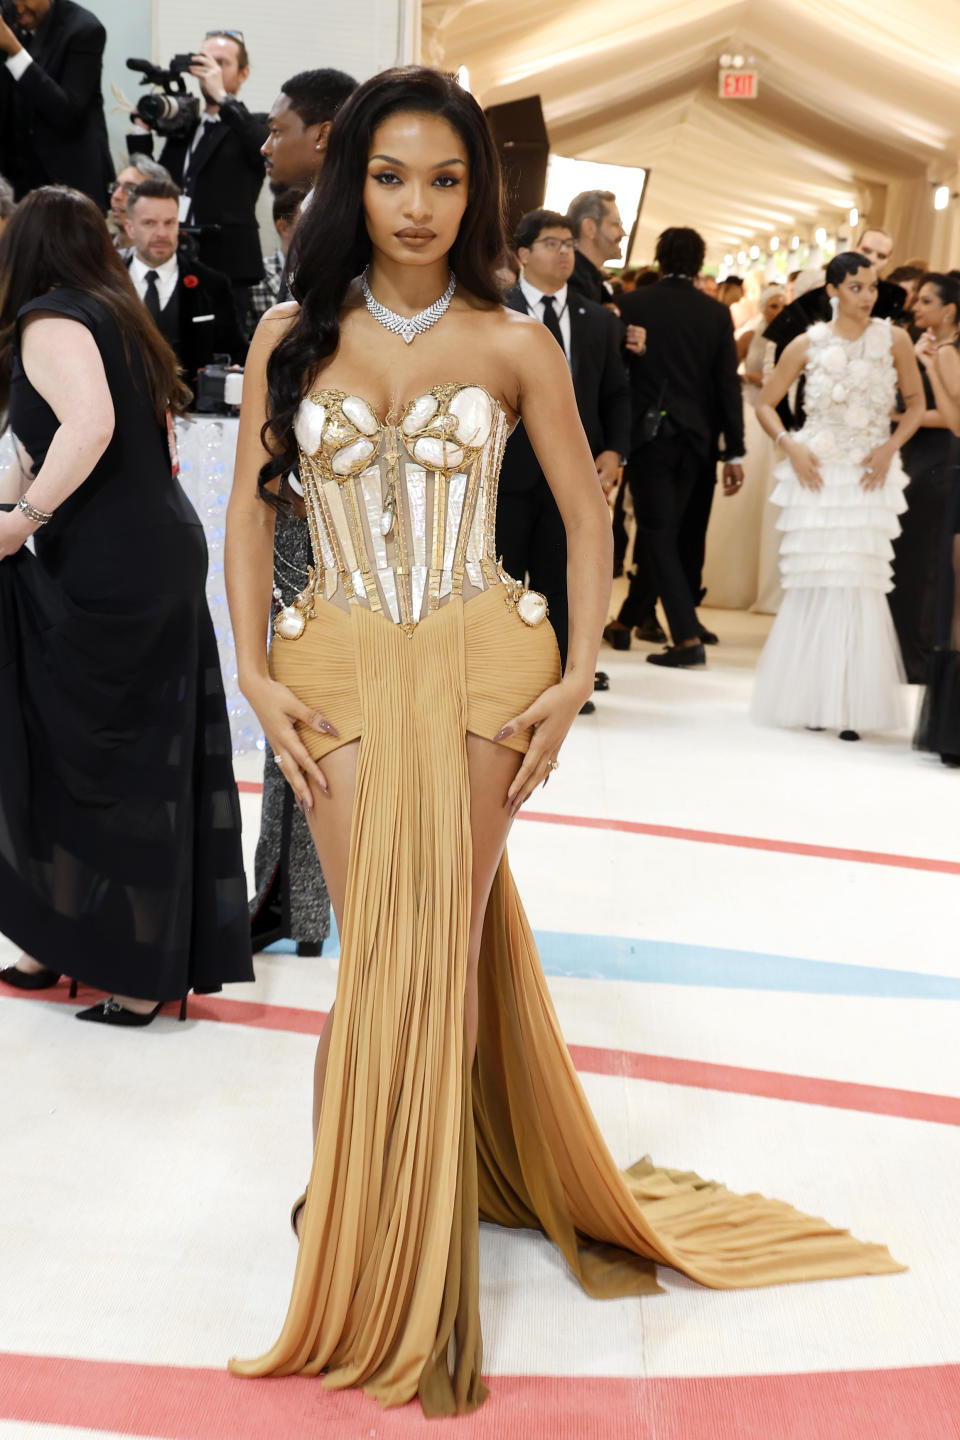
<point x="413" y="697"/>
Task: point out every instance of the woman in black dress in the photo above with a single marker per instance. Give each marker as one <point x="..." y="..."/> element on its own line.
<point x="928" y="458"/>
<point x="938" y="728"/>
<point x="120" y="859"/>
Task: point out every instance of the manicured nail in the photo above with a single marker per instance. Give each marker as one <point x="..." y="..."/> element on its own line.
<point x="503" y="734"/>
<point x="325" y="790"/>
<point x="328" y="729"/>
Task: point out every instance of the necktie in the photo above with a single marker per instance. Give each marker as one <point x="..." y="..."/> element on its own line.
<point x="551" y="321"/>
<point x="191" y="160"/>
<point x="152" y="298"/>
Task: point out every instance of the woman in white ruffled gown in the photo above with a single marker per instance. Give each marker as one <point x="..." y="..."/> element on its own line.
<point x="831" y="660"/>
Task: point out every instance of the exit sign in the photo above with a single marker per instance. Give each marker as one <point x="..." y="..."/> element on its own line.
<point x="738" y="84"/>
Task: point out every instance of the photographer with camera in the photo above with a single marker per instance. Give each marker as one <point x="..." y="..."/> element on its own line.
<point x="191" y="304"/>
<point x="214" y="156"/>
<point x="52" y="129"/>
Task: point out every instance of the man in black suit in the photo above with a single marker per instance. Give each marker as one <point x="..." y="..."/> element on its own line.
<point x="598" y="231"/>
<point x="684" y="387"/>
<point x="52" y="129"/>
<point x="218" y="164"/>
<point x="530" y="533"/>
<point x="191" y="303"/>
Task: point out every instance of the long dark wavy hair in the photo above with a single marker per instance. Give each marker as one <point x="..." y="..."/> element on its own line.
<point x="57" y="237"/>
<point x="331" y="245"/>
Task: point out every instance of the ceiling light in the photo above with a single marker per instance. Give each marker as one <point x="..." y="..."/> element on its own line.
<point x="774" y="243"/>
<point x="754" y="252"/>
<point x="941" y="197"/>
<point x="738" y="62"/>
<point x="728" y="259"/>
<point x="725" y="61"/>
<point x="741" y="257"/>
<point x="795" y="242"/>
<point x="854" y="215"/>
<point x="463" y="78"/>
<point x="820" y="235"/>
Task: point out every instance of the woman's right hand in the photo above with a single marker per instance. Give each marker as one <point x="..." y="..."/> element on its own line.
<point x="278" y="711"/>
<point x="805" y="464"/>
<point x="926" y="348"/>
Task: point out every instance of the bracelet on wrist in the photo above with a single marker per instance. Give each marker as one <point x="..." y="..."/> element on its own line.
<point x="782" y="436"/>
<point x="35" y="516"/>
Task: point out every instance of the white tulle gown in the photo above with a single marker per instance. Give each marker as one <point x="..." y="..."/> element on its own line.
<point x="832" y="659"/>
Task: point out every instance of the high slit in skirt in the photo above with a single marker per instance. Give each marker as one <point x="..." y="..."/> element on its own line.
<point x="414" y="1148"/>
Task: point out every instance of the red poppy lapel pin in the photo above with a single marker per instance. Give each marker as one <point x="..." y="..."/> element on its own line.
<point x="191" y="282"/>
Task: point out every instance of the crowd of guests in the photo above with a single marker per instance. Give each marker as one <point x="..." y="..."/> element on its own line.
<point x="669" y="388"/>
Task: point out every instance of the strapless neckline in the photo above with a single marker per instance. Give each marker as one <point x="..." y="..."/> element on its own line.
<point x="401" y="408"/>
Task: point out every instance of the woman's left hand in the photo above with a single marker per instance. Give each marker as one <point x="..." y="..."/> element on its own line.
<point x="15" y="529"/>
<point x="875" y="467"/>
<point x="550" y="717"/>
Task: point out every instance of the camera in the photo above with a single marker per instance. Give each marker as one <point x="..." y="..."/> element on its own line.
<point x="219" y="387"/>
<point x="168" y="109"/>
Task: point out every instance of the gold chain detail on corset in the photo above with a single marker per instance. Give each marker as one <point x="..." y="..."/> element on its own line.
<point x="454" y="432"/>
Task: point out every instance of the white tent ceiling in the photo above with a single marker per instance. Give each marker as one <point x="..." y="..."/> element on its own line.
<point x="857" y="98"/>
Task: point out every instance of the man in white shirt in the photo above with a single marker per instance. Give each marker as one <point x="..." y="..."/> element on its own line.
<point x="217" y="163"/>
<point x="191" y="304"/>
<point x="530" y="533"/>
<point x="52" y="129"/>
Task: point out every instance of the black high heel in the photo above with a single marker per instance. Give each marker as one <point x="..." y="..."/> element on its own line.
<point x="30" y="980"/>
<point x="111" y="1012"/>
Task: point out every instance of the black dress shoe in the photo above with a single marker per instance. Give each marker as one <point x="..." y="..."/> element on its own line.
<point x="849" y="735"/>
<point x="679" y="657"/>
<point x="111" y="1012"/>
<point x="309" y="947"/>
<point x="588" y="708"/>
<point x="23" y="980"/>
<point x="617" y="634"/>
<point x="652" y="632"/>
<point x="952" y="760"/>
<point x="707" y="637"/>
<point x="601" y="681"/>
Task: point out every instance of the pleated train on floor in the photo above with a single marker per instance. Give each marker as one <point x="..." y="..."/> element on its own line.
<point x="413" y="1148"/>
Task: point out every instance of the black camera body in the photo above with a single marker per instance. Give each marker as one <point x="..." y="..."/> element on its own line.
<point x="168" y="109"/>
<point x="218" y="387"/>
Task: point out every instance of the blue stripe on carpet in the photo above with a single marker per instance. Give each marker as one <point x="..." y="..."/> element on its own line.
<point x="662" y="962"/>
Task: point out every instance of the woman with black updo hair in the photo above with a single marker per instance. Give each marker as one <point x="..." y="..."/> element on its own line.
<point x="831" y="660"/>
<point x="413" y="698"/>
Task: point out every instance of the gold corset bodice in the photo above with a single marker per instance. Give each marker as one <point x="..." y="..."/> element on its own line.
<point x="402" y="512"/>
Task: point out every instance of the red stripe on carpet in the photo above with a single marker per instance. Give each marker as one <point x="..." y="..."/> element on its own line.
<point x="769" y="1084"/>
<point x="750" y="842"/>
<point x="594" y="1060"/>
<point x="719" y="837"/>
<point x="192" y="1404"/>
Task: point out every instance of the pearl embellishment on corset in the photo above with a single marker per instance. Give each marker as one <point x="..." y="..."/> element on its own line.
<point x="289" y="623"/>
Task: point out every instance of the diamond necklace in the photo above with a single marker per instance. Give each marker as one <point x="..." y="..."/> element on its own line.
<point x="408" y="327"/>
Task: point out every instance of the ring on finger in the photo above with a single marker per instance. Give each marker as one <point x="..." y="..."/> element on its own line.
<point x="278" y="759"/>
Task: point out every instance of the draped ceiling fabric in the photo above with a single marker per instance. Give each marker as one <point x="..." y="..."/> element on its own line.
<point x="859" y="105"/>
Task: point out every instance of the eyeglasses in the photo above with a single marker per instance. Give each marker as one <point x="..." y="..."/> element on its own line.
<point x="123" y="185"/>
<point x="551" y="244"/>
<point x="232" y="34"/>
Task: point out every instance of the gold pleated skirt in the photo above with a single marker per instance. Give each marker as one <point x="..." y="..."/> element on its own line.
<point x="413" y="1149"/>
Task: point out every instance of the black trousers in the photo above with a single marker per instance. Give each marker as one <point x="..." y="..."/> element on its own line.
<point x="533" y="545"/>
<point x="692" y="537"/>
<point x="662" y="476"/>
